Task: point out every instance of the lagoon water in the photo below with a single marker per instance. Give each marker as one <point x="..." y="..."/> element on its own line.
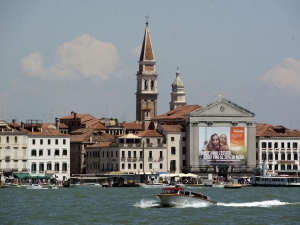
<point x="97" y="205"/>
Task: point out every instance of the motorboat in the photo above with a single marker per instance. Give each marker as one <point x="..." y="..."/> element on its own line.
<point x="156" y="185"/>
<point x="263" y="179"/>
<point x="172" y="196"/>
<point x="32" y="186"/>
<point x="232" y="186"/>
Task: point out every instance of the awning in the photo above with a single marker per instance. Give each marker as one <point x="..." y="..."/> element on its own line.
<point x="130" y="136"/>
<point x="22" y="175"/>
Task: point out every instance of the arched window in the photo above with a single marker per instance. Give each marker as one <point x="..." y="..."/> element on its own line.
<point x="146" y="84"/>
<point x="152" y="85"/>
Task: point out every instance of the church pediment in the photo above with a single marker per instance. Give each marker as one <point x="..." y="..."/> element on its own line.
<point x="222" y="108"/>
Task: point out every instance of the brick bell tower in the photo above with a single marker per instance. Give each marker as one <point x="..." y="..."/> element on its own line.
<point x="146" y="78"/>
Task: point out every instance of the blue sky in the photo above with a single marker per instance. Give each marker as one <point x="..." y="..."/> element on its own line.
<point x="82" y="56"/>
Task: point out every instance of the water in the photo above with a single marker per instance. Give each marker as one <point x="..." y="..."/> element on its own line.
<point x="96" y="205"/>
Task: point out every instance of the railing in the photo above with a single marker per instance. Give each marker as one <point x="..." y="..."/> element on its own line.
<point x="24" y="169"/>
<point x="138" y="145"/>
<point x="150" y="159"/>
<point x="161" y="158"/>
<point x="123" y="158"/>
<point x="7" y="157"/>
<point x="15" y="169"/>
<point x="49" y="172"/>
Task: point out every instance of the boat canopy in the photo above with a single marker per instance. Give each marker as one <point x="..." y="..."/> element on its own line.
<point x="28" y="176"/>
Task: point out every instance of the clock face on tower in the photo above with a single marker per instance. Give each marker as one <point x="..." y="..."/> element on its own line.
<point x="222" y="109"/>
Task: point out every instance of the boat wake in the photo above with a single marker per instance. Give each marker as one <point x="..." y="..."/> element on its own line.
<point x="263" y="204"/>
<point x="154" y="204"/>
<point x="147" y="204"/>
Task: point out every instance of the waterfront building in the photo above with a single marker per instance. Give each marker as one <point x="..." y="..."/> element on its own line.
<point x="220" y="137"/>
<point x="48" y="150"/>
<point x="13" y="149"/>
<point x="79" y="140"/>
<point x="279" y="146"/>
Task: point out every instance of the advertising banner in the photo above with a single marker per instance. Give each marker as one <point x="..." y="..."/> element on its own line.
<point x="222" y="146"/>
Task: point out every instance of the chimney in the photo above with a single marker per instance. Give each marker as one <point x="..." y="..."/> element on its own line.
<point x="75" y="121"/>
<point x="22" y="124"/>
<point x="72" y="112"/>
<point x="57" y="123"/>
<point x="14" y="120"/>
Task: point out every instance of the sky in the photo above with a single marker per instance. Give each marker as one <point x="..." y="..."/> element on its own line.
<point x="82" y="56"/>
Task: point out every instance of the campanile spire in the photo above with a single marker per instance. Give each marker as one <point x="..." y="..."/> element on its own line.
<point x="146" y="94"/>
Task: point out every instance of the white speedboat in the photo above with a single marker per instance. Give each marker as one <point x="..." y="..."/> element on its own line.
<point x="32" y="186"/>
<point x="172" y="196"/>
<point x="263" y="179"/>
<point x="156" y="185"/>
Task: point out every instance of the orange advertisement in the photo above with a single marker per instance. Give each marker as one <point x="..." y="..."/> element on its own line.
<point x="237" y="136"/>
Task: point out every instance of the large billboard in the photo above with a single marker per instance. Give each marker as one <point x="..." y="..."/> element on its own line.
<point x="222" y="146"/>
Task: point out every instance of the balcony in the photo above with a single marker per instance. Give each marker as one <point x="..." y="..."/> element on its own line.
<point x="123" y="158"/>
<point x="134" y="159"/>
<point x="129" y="159"/>
<point x="160" y="159"/>
<point x="150" y="159"/>
<point x="7" y="157"/>
<point x="49" y="172"/>
<point x="15" y="169"/>
<point x="24" y="169"/>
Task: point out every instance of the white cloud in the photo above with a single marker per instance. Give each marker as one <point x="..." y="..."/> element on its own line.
<point x="285" y="76"/>
<point x="84" y="56"/>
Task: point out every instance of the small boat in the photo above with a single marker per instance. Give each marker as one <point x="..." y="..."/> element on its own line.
<point x="221" y="185"/>
<point x="171" y="196"/>
<point x="232" y="186"/>
<point x="32" y="186"/>
<point x="156" y="185"/>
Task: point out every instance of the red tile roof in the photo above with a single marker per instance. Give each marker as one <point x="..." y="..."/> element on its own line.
<point x="135" y="125"/>
<point x="149" y="133"/>
<point x="267" y="130"/>
<point x="84" y="134"/>
<point x="172" y="128"/>
<point x="178" y="113"/>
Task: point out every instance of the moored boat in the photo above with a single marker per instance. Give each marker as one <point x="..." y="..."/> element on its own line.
<point x="263" y="179"/>
<point x="172" y="196"/>
<point x="232" y="186"/>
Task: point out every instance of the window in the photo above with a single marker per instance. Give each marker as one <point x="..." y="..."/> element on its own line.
<point x="295" y="156"/>
<point x="116" y="153"/>
<point x="282" y="167"/>
<point x="295" y="145"/>
<point x="41" y="141"/>
<point x="150" y="166"/>
<point x="49" y="152"/>
<point x="16" y="164"/>
<point x="33" y="152"/>
<point x="117" y="166"/>
<point x="7" y="151"/>
<point x="161" y="154"/>
<point x="172" y="138"/>
<point x="173" y="150"/>
<point x="276" y="167"/>
<point x="276" y="156"/>
<point x="41" y="167"/>
<point x="282" y="156"/>
<point x="173" y="165"/>
<point x="288" y="145"/>
<point x="183" y="163"/>
<point x="289" y="156"/>
<point x="134" y="166"/>
<point x="41" y="152"/>
<point x="64" y="141"/>
<point x="49" y="141"/>
<point x="147" y="140"/>
<point x="183" y="150"/>
<point x="33" y="167"/>
<point x="183" y="138"/>
<point x="150" y="154"/>
<point x="141" y="166"/>
<point x="33" y="141"/>
<point x="270" y="156"/>
<point x="123" y="166"/>
<point x="111" y="154"/>
<point x="282" y="144"/>
<point x="129" y="154"/>
<point x="158" y="141"/>
<point x="16" y="139"/>
<point x="56" y="141"/>
<point x="56" y="153"/>
<point x="24" y="140"/>
<point x="64" y="166"/>
<point x="269" y="144"/>
<point x="134" y="154"/>
<point x="276" y="145"/>
<point x="16" y="152"/>
<point x="65" y="152"/>
<point x="263" y="144"/>
<point x="160" y="166"/>
<point x="49" y="166"/>
<point x="123" y="154"/>
<point x="141" y="154"/>
<point x="107" y="154"/>
<point x="24" y="152"/>
<point x="129" y="166"/>
<point x="56" y="167"/>
<point x="7" y="139"/>
<point x="103" y="154"/>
